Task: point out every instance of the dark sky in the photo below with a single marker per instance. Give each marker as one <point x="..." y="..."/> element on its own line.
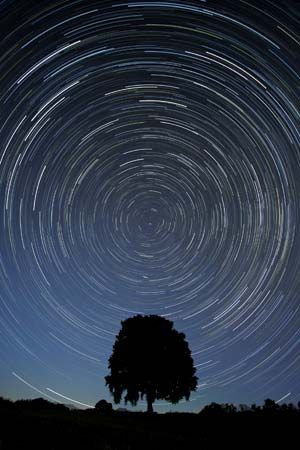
<point x="150" y="164"/>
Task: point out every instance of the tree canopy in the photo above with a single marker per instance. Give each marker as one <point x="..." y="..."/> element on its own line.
<point x="150" y="359"/>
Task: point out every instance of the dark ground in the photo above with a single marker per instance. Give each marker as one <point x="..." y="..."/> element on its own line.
<point x="41" y="425"/>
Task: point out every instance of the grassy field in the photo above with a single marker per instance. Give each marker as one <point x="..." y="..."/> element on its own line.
<point x="52" y="428"/>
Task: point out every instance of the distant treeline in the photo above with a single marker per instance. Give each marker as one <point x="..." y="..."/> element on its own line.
<point x="40" y="424"/>
<point x="104" y="406"/>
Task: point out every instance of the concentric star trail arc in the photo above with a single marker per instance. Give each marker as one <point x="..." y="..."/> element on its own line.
<point x="150" y="164"/>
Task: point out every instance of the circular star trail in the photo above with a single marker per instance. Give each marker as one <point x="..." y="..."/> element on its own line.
<point x="150" y="164"/>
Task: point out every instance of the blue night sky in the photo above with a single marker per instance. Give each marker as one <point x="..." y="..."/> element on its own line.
<point x="150" y="163"/>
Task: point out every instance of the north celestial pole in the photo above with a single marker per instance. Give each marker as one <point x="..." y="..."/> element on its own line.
<point x="150" y="163"/>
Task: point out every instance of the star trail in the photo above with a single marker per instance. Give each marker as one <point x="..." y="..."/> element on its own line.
<point x="150" y="163"/>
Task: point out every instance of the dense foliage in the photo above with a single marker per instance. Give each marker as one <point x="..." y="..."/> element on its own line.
<point x="150" y="358"/>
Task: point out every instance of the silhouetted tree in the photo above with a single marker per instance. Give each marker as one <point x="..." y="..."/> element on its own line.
<point x="219" y="408"/>
<point x="243" y="407"/>
<point x="212" y="408"/>
<point x="229" y="408"/>
<point x="150" y="359"/>
<point x="255" y="408"/>
<point x="270" y="405"/>
<point x="6" y="403"/>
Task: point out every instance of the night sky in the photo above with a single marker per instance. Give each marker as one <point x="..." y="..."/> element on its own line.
<point x="150" y="163"/>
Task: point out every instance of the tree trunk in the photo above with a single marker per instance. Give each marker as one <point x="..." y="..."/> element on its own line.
<point x="149" y="404"/>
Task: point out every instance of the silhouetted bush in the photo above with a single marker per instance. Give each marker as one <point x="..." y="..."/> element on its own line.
<point x="104" y="407"/>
